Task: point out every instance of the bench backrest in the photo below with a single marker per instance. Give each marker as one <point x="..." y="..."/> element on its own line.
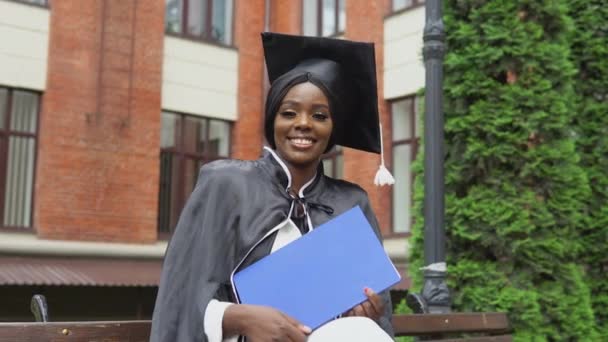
<point x="119" y="331"/>
<point x="430" y="324"/>
<point x="139" y="331"/>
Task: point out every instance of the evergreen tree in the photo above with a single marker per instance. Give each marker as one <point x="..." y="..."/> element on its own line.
<point x="515" y="192"/>
<point x="590" y="55"/>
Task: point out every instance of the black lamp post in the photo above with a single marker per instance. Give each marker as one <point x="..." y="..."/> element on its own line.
<point x="435" y="296"/>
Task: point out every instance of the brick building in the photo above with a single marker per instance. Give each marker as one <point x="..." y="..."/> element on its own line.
<point x="109" y="107"/>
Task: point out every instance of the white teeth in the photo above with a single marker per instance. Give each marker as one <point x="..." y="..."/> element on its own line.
<point x="302" y="141"/>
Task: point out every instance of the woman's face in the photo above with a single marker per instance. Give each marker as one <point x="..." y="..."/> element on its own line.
<point x="303" y="125"/>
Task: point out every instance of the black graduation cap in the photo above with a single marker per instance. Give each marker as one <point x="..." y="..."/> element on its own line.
<point x="347" y="69"/>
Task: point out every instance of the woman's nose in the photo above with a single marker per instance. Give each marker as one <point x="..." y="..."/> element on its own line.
<point x="303" y="121"/>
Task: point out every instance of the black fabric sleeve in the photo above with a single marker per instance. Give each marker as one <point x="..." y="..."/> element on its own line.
<point x="199" y="259"/>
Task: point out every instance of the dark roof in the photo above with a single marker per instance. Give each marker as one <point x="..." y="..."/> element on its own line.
<point x="16" y="270"/>
<point x="55" y="271"/>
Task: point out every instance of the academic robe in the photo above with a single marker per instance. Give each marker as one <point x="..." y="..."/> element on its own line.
<point x="233" y="205"/>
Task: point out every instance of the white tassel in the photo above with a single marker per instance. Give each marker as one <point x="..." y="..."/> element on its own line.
<point x="383" y="175"/>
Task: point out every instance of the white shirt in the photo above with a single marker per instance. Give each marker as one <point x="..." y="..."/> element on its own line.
<point x="214" y="313"/>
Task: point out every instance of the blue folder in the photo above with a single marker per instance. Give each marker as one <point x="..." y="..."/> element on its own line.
<point x="322" y="274"/>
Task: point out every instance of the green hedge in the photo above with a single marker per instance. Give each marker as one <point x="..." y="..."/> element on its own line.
<point x="516" y="193"/>
<point x="590" y="55"/>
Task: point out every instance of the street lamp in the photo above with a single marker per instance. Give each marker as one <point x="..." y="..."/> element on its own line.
<point x="435" y="297"/>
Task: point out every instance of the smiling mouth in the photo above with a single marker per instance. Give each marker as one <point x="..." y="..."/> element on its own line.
<point x="301" y="142"/>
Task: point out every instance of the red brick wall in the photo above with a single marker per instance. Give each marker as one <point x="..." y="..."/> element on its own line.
<point x="365" y="22"/>
<point x="98" y="167"/>
<point x="286" y="16"/>
<point x="247" y="133"/>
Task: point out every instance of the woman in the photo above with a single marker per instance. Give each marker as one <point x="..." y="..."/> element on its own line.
<point x="241" y="211"/>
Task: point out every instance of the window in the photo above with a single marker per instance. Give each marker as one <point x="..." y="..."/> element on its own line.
<point x="323" y="17"/>
<point x="200" y="19"/>
<point x="405" y="135"/>
<point x="44" y="3"/>
<point x="187" y="142"/>
<point x="18" y="136"/>
<point x="403" y="4"/>
<point x="333" y="163"/>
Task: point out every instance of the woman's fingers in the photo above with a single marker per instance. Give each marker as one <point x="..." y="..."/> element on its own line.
<point x="372" y="308"/>
<point x="301" y="327"/>
<point x="368" y="309"/>
<point x="296" y="335"/>
<point x="296" y="332"/>
<point x="269" y="324"/>
<point x="359" y="311"/>
<point x="375" y="301"/>
<point x="304" y="329"/>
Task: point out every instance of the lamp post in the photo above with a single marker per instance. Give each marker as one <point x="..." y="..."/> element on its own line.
<point x="435" y="297"/>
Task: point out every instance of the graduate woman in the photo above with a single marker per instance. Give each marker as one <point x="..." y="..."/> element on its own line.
<point x="323" y="93"/>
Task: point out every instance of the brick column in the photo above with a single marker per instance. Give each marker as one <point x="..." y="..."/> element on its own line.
<point x="248" y="129"/>
<point x="98" y="167"/>
<point x="286" y="16"/>
<point x="365" y="22"/>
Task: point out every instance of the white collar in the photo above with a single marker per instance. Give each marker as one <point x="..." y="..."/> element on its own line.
<point x="286" y="170"/>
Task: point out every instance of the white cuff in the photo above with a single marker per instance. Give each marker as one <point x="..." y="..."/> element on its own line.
<point x="214" y="315"/>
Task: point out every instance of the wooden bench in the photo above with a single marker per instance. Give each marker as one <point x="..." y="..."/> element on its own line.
<point x="439" y="327"/>
<point x="118" y="331"/>
<point x="428" y="327"/>
<point x="435" y="326"/>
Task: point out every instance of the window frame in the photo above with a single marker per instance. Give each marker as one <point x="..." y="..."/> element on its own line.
<point x="180" y="151"/>
<point x="47" y="3"/>
<point x="415" y="4"/>
<point x="414" y="142"/>
<point x="5" y="135"/>
<point x="319" y="18"/>
<point x="333" y="155"/>
<point x="206" y="36"/>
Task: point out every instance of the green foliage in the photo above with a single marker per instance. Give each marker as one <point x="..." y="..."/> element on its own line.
<point x="516" y="193"/>
<point x="590" y="55"/>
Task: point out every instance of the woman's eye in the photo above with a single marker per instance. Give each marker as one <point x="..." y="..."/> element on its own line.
<point x="288" y="114"/>
<point x="320" y="116"/>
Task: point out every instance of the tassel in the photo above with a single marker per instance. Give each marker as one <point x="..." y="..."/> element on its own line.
<point x="383" y="175"/>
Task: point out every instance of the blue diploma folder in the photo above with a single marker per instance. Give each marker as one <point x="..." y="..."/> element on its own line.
<point x="322" y="274"/>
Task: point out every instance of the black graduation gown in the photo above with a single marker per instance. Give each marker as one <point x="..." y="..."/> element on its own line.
<point x="232" y="206"/>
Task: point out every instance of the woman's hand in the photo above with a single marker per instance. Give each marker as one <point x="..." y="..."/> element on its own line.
<point x="262" y="323"/>
<point x="372" y="308"/>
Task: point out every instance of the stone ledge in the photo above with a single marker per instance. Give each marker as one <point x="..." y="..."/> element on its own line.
<point x="30" y="244"/>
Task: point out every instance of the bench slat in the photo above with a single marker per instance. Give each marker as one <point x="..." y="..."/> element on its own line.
<point x="428" y="324"/>
<point x="110" y="331"/>
<point x="139" y="331"/>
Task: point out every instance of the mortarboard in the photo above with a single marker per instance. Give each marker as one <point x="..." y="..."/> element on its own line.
<point x="346" y="72"/>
